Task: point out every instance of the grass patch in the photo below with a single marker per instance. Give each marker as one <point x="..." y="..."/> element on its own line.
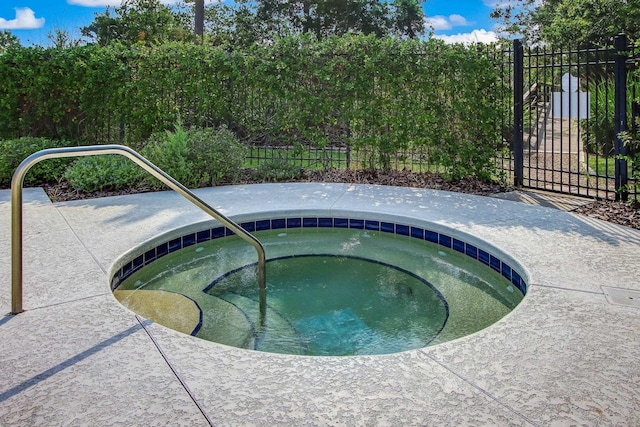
<point x="604" y="166"/>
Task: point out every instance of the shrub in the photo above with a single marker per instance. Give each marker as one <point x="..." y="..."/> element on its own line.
<point x="277" y="170"/>
<point x="216" y="154"/>
<point x="197" y="157"/>
<point x="98" y="173"/>
<point x="14" y="151"/>
<point x="169" y="151"/>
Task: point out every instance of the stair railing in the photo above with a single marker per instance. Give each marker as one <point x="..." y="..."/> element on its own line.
<point x="17" y="183"/>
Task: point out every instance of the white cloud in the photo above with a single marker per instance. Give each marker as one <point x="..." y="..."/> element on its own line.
<point x="499" y="3"/>
<point x="440" y="22"/>
<point x="475" y="36"/>
<point x="437" y="23"/>
<point x="25" y="20"/>
<point x="458" y="20"/>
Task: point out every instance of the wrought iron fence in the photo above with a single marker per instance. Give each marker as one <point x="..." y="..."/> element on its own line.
<point x="415" y="159"/>
<point x="562" y="115"/>
<point x="570" y="107"/>
<point x="561" y="127"/>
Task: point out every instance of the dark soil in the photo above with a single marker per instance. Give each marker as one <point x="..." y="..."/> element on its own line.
<point x="617" y="212"/>
<point x="627" y="214"/>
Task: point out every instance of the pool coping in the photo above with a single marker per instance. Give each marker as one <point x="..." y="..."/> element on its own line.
<point x="564" y="356"/>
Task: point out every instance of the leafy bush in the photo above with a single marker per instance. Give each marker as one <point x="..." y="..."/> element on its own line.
<point x="197" y="157"/>
<point x="169" y="152"/>
<point x="106" y="172"/>
<point x="14" y="151"/>
<point x="216" y="154"/>
<point x="276" y="170"/>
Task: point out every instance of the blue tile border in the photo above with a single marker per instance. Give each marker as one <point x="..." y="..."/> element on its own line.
<point x="203" y="236"/>
<point x="310" y="222"/>
<point x="294" y="222"/>
<point x="431" y="236"/>
<point x="415" y="232"/>
<point x="372" y="225"/>
<point x="341" y="223"/>
<point x="444" y="240"/>
<point x="387" y="227"/>
<point x="325" y="222"/>
<point x="402" y="230"/>
<point x="458" y="245"/>
<point x="278" y="223"/>
<point x="471" y="251"/>
<point x="358" y="224"/>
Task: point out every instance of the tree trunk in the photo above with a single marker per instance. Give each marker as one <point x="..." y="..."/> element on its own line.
<point x="199" y="20"/>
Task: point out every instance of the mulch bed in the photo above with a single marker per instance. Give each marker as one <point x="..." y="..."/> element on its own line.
<point x="617" y="212"/>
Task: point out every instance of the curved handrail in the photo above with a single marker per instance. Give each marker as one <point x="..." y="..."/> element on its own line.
<point x="17" y="182"/>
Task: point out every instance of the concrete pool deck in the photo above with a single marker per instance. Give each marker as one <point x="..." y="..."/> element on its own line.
<point x="564" y="356"/>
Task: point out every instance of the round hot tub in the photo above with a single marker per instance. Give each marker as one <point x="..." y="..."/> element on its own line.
<point x="336" y="284"/>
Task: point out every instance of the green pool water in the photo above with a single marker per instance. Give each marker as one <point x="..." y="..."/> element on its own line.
<point x="329" y="292"/>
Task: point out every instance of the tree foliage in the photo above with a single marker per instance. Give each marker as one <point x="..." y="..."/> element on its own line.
<point x="560" y="23"/>
<point x="246" y="22"/>
<point x="323" y="18"/>
<point x="147" y="21"/>
<point x="408" y="18"/>
<point x="62" y="39"/>
<point x="7" y="40"/>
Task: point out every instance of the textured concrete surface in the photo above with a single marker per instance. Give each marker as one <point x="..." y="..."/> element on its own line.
<point x="564" y="356"/>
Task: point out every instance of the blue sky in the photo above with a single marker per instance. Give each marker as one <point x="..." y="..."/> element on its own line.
<point x="32" y="20"/>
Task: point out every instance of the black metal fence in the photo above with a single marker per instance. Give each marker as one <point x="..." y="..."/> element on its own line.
<point x="555" y="116"/>
<point x="570" y="108"/>
<point x="415" y="159"/>
<point x="563" y="127"/>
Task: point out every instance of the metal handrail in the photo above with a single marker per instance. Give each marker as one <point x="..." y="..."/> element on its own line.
<point x="17" y="182"/>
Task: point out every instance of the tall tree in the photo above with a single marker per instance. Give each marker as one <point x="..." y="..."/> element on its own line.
<point x="408" y="18"/>
<point x="62" y="39"/>
<point x="336" y="17"/>
<point x="561" y="23"/>
<point x="199" y="19"/>
<point x="7" y="39"/>
<point x="147" y="21"/>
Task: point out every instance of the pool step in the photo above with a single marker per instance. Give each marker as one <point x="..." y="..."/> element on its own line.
<point x="269" y="339"/>
<point x="167" y="308"/>
<point x="224" y="322"/>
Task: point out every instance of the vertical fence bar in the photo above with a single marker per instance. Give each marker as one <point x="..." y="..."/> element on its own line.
<point x="533" y="90"/>
<point x="518" y="113"/>
<point x="582" y="167"/>
<point x="620" y="116"/>
<point x="561" y="133"/>
<point x="547" y="120"/>
<point x="635" y="128"/>
<point x="507" y="120"/>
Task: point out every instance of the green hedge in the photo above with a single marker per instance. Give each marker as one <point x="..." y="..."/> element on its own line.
<point x="14" y="151"/>
<point x="380" y="95"/>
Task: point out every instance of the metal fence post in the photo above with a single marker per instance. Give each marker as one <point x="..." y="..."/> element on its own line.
<point x="518" y="113"/>
<point x="620" y="116"/>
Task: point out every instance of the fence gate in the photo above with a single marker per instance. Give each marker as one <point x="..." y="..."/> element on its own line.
<point x="569" y="108"/>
